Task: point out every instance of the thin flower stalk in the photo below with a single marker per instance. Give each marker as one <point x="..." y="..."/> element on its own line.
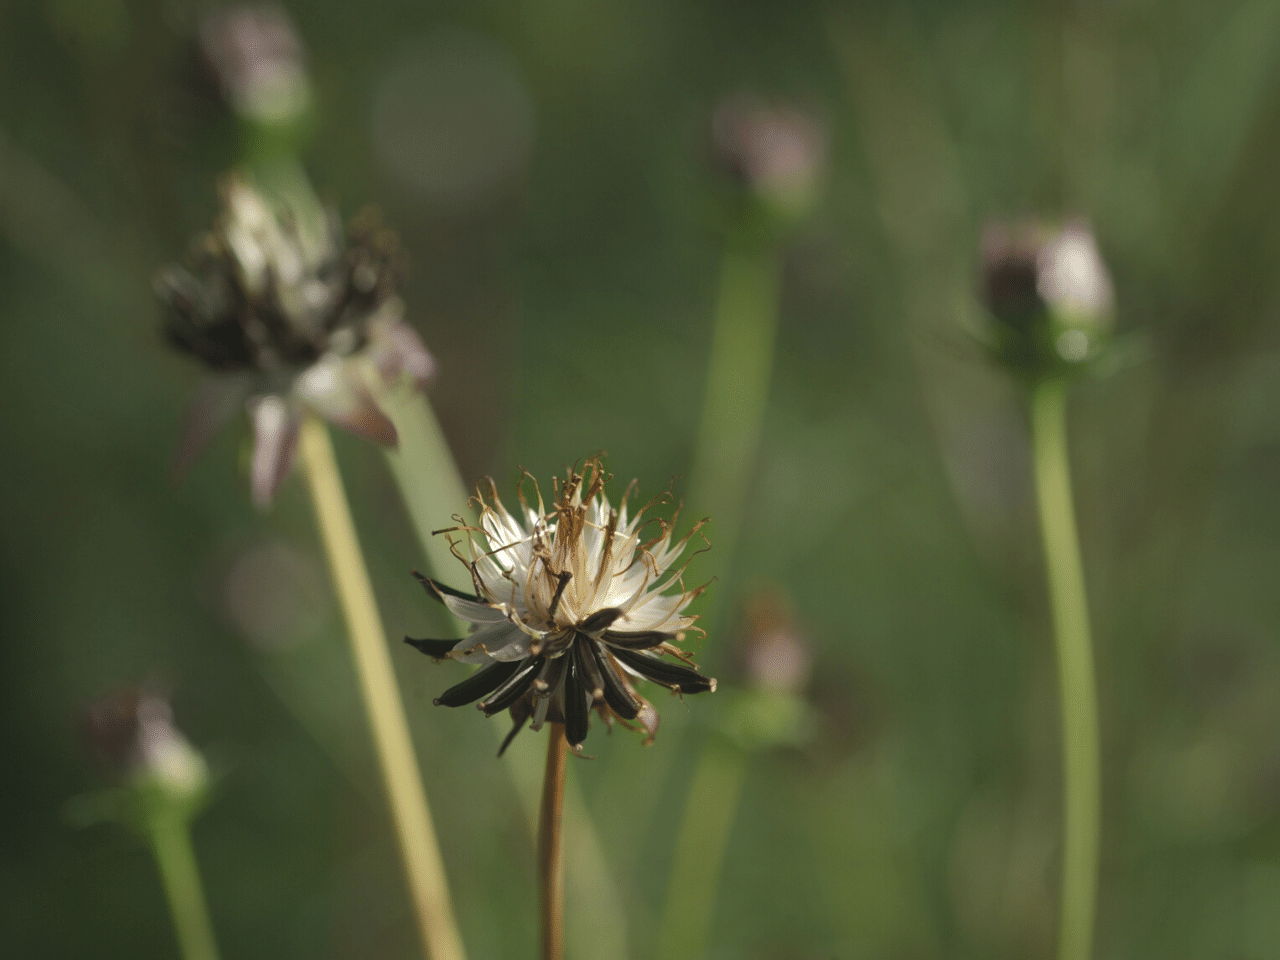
<point x="1077" y="690"/>
<point x="169" y="837"/>
<point x="551" y="847"/>
<point x="711" y="807"/>
<point x="402" y="780"/>
<point x="739" y="372"/>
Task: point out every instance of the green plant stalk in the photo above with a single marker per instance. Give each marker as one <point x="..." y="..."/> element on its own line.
<point x="429" y="481"/>
<point x="739" y="371"/>
<point x="685" y="929"/>
<point x="419" y="849"/>
<point x="433" y="492"/>
<point x="1079" y="700"/>
<point x="169" y="834"/>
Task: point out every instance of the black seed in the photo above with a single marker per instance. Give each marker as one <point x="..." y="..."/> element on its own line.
<point x="636" y="641"/>
<point x="432" y="648"/>
<point x="479" y="684"/>
<point x="555" y="671"/>
<point x="599" y="620"/>
<point x="577" y="714"/>
<point x="437" y="590"/>
<point x="587" y="669"/>
<point x="616" y="694"/>
<point x="514" y="688"/>
<point x="673" y="675"/>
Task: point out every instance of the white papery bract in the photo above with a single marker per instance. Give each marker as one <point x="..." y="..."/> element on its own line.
<point x="571" y="606"/>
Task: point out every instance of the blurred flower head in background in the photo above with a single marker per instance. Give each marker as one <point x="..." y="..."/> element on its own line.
<point x="1049" y="293"/>
<point x="776" y="150"/>
<point x="258" y="61"/>
<point x="774" y="662"/>
<point x="291" y="313"/>
<point x="776" y="654"/>
<point x="570" y="607"/>
<point x="133" y="734"/>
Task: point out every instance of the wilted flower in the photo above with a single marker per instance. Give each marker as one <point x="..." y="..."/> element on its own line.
<point x="133" y="733"/>
<point x="258" y="61"/>
<point x="776" y="150"/>
<point x="290" y="316"/>
<point x="1049" y="293"/>
<point x="570" y="607"/>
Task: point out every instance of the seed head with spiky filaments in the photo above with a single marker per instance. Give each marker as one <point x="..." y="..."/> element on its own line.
<point x="571" y="606"/>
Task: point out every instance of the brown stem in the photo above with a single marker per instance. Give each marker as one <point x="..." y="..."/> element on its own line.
<point x="550" y="848"/>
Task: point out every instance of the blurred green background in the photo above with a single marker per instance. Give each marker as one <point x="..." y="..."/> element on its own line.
<point x="545" y="165"/>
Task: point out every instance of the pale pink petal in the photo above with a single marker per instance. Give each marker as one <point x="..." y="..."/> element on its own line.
<point x="332" y="388"/>
<point x="397" y="349"/>
<point x="275" y="435"/>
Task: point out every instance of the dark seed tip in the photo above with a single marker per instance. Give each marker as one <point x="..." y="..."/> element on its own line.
<point x="436" y="701"/>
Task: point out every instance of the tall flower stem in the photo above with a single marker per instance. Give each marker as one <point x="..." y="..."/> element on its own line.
<point x="423" y="467"/>
<point x="551" y="847"/>
<point x="169" y="834"/>
<point x="419" y="849"/>
<point x="699" y="856"/>
<point x="1079" y="699"/>
<point x="739" y="372"/>
<point x="737" y="386"/>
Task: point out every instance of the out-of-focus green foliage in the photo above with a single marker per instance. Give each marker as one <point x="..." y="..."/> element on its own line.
<point x="545" y="166"/>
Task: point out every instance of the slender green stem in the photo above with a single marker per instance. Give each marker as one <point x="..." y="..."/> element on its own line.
<point x="170" y="836"/>
<point x="419" y="849"/>
<point x="700" y="847"/>
<point x="429" y="482"/>
<point x="551" y="846"/>
<point x="738" y="375"/>
<point x="1079" y="700"/>
<point x="739" y="372"/>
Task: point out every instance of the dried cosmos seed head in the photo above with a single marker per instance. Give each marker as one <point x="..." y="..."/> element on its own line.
<point x="571" y="607"/>
<point x="290" y="312"/>
<point x="1049" y="296"/>
<point x="777" y="151"/>
<point x="133" y="733"/>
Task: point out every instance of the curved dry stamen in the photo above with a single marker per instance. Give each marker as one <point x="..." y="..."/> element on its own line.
<point x="564" y="579"/>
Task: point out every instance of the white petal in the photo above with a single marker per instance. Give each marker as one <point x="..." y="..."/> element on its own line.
<point x="499" y="641"/>
<point x="472" y="611"/>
